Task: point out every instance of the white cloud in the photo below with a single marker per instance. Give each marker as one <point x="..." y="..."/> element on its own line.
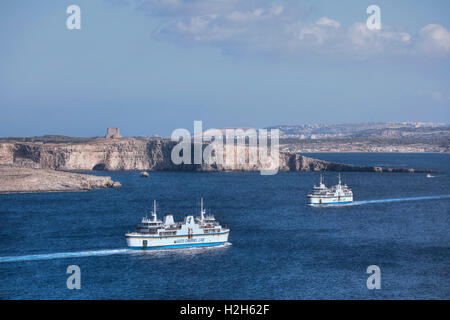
<point x="277" y="10"/>
<point x="245" y="16"/>
<point x="324" y="21"/>
<point x="237" y="25"/>
<point x="434" y="39"/>
<point x="386" y="40"/>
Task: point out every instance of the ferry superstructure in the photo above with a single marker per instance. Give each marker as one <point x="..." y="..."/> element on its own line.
<point x="153" y="233"/>
<point x="322" y="195"/>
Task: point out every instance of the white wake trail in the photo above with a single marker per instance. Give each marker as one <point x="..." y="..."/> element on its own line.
<point x="63" y="255"/>
<point x="356" y="203"/>
<point x="93" y="253"/>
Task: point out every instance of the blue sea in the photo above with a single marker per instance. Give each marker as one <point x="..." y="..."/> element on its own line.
<point x="280" y="248"/>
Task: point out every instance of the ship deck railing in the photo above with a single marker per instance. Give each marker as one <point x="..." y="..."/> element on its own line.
<point x="212" y="230"/>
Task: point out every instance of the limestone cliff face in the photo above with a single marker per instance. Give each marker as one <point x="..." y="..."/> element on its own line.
<point x="7" y="153"/>
<point x="101" y="154"/>
<point x="143" y="154"/>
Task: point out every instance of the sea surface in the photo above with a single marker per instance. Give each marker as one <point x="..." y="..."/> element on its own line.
<point x="280" y="248"/>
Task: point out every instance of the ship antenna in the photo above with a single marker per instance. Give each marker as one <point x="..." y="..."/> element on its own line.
<point x="202" y="212"/>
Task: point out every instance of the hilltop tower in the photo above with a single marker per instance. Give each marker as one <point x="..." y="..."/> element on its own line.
<point x="113" y="133"/>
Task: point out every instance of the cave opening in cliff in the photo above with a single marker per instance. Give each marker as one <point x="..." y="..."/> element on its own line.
<point x="99" y="167"/>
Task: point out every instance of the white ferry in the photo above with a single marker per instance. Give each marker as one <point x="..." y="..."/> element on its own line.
<point x="202" y="231"/>
<point x="338" y="194"/>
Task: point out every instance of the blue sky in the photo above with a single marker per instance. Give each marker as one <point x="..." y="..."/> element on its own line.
<point x="151" y="66"/>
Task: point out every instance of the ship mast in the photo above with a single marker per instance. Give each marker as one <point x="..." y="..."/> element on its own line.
<point x="321" y="185"/>
<point x="339" y="178"/>
<point x="202" y="212"/>
<point x="154" y="211"/>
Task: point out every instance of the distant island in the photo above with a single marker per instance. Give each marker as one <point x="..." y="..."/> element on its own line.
<point x="39" y="164"/>
<point x="402" y="137"/>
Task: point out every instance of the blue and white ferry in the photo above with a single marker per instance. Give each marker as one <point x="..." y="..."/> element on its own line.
<point x="203" y="231"/>
<point x="338" y="194"/>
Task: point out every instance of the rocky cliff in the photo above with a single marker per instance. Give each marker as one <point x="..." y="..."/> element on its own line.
<point x="142" y="154"/>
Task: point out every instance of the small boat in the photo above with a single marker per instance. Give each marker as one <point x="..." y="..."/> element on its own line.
<point x="144" y="174"/>
<point x="203" y="231"/>
<point x="429" y="176"/>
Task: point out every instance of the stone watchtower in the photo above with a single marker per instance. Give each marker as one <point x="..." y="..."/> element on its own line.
<point x="113" y="133"/>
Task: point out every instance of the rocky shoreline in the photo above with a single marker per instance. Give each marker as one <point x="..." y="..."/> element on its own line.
<point x="24" y="180"/>
<point x="146" y="154"/>
<point x="43" y="167"/>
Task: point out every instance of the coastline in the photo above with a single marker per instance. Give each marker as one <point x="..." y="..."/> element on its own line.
<point x="375" y="152"/>
<point x="16" y="179"/>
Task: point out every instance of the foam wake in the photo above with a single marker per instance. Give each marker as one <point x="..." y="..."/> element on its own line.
<point x="63" y="255"/>
<point x="356" y="203"/>
<point x="93" y="253"/>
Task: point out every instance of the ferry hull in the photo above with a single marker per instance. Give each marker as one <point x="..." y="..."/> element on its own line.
<point x="176" y="242"/>
<point x="181" y="246"/>
<point x="330" y="200"/>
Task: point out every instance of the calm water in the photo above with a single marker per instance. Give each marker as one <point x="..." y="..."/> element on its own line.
<point x="281" y="248"/>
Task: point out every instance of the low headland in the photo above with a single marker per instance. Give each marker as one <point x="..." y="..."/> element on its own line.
<point x="15" y="179"/>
